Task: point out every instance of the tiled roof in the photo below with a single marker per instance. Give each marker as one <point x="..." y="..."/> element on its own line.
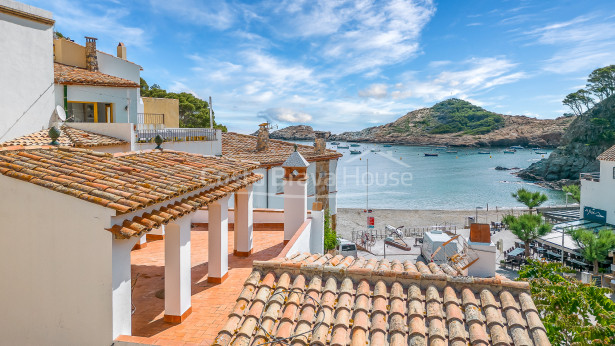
<point x="325" y="300"/>
<point x="241" y="146"/>
<point x="162" y="216"/>
<point x="69" y="137"/>
<point x="124" y="182"/>
<point x="608" y="155"/>
<point x="68" y="75"/>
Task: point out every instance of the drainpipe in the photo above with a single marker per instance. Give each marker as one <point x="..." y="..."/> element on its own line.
<point x="267" y="188"/>
<point x="65" y="98"/>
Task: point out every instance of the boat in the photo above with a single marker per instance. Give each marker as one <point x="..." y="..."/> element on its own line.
<point x="509" y="151"/>
<point x="452" y="151"/>
<point x="431" y="154"/>
<point x="335" y="143"/>
<point x="484" y="152"/>
<point x="516" y="147"/>
<point x="343" y="147"/>
<point x="354" y="152"/>
<point x="537" y="148"/>
<point x="375" y="150"/>
<point x="387" y="145"/>
<point x="440" y="148"/>
<point x="540" y="152"/>
<point x="355" y="145"/>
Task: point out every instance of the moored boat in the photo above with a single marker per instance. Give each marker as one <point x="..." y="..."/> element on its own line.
<point x="355" y="145"/>
<point x="335" y="143"/>
<point x="540" y="152"/>
<point x="375" y="150"/>
<point x="483" y="152"/>
<point x="516" y="147"/>
<point x="343" y="147"/>
<point x="431" y="154"/>
<point x="452" y="151"/>
<point x="509" y="151"/>
<point x="440" y="148"/>
<point x="387" y="145"/>
<point x="354" y="152"/>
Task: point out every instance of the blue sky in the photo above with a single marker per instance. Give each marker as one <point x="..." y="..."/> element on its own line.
<point x="345" y="65"/>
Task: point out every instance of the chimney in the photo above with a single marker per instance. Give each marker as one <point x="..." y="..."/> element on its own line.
<point x="121" y="51"/>
<point x="320" y="139"/>
<point x="91" y="60"/>
<point x="262" y="139"/>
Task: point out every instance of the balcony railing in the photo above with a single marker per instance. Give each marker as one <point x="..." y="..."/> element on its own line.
<point x="590" y="176"/>
<point x="150" y="118"/>
<point x="176" y="135"/>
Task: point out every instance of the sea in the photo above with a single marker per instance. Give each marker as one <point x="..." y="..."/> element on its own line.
<point x="402" y="177"/>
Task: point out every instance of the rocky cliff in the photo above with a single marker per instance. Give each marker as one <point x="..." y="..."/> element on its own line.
<point x="587" y="137"/>
<point x="452" y="122"/>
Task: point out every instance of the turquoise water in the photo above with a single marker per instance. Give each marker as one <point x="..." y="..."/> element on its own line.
<point x="402" y="177"/>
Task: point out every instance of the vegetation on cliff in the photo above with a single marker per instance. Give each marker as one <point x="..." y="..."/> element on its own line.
<point x="455" y="115"/>
<point x="591" y="133"/>
<point x="193" y="112"/>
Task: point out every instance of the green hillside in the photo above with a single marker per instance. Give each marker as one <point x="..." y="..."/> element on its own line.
<point x="455" y="115"/>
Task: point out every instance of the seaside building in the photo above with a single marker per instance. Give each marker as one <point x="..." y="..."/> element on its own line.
<point x="27" y="77"/>
<point x="271" y="154"/>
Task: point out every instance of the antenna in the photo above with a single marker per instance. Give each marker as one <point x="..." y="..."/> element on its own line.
<point x="211" y="114"/>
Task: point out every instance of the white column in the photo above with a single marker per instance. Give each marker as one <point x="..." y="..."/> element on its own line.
<point x="317" y="234"/>
<point x="177" y="267"/>
<point x="295" y="206"/>
<point x="218" y="241"/>
<point x="244" y="224"/>
<point x="121" y="285"/>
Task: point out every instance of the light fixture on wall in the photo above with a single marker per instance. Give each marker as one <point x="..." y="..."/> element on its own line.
<point x="126" y="107"/>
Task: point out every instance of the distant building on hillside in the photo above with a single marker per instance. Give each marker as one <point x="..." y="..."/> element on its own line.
<point x="597" y="190"/>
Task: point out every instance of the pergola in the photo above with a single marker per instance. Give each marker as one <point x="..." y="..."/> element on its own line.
<point x="133" y="194"/>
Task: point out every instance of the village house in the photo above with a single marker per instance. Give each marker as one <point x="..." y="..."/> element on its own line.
<point x="271" y="154"/>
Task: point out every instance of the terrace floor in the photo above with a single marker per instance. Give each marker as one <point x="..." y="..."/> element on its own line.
<point x="211" y="303"/>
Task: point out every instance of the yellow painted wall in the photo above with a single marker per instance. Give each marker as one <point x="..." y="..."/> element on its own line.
<point x="68" y="53"/>
<point x="168" y="107"/>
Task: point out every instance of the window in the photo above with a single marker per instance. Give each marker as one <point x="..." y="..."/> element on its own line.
<point x="613" y="172"/>
<point x="348" y="247"/>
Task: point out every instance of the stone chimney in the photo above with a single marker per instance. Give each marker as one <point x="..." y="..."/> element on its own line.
<point x="262" y="139"/>
<point x="320" y="142"/>
<point x="121" y="51"/>
<point x="91" y="60"/>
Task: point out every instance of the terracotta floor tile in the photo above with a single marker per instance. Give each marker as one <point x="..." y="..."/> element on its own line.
<point x="210" y="303"/>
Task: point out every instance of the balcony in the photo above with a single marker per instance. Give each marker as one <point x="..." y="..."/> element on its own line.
<point x="176" y="134"/>
<point x="595" y="176"/>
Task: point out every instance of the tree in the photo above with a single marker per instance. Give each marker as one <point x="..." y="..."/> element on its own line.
<point x="193" y="112"/>
<point x="330" y="234"/>
<point x="529" y="198"/>
<point x="527" y="228"/>
<point x="572" y="312"/>
<point x="594" y="247"/>
<point x="601" y="82"/>
<point x="574" y="190"/>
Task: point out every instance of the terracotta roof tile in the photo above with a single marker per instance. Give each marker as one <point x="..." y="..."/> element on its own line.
<point x="68" y="137"/>
<point x="241" y="146"/>
<point x="608" y="155"/>
<point x="69" y="75"/>
<point x="377" y="309"/>
<point x="138" y="179"/>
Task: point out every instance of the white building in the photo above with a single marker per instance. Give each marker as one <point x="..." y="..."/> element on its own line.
<point x="271" y="154"/>
<point x="598" y="191"/>
<point x="26" y="69"/>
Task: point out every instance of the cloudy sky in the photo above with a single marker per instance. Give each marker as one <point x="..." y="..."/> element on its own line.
<point x="345" y="65"/>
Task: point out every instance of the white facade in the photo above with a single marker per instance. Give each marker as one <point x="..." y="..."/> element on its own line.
<point x="600" y="194"/>
<point x="125" y="101"/>
<point x="56" y="287"/>
<point x="26" y="71"/>
<point x="484" y="267"/>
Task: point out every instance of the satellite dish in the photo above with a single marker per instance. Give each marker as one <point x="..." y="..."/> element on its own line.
<point x="61" y="114"/>
<point x="58" y="117"/>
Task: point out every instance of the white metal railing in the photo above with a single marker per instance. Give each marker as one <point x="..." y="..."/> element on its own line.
<point x="176" y="134"/>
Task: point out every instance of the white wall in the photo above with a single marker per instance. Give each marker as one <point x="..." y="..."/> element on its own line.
<point x="195" y="147"/>
<point x="485" y="266"/>
<point x="119" y="97"/>
<point x="56" y="268"/>
<point x="333" y="187"/>
<point x="114" y="66"/>
<point x="600" y="194"/>
<point x="302" y="243"/>
<point x="26" y="72"/>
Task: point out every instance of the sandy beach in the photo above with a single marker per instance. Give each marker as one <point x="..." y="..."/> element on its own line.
<point x="351" y="219"/>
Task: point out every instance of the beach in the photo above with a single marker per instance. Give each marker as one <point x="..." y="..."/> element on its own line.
<point x="354" y="219"/>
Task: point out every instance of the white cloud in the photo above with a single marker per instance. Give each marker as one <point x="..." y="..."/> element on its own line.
<point x="583" y="43"/>
<point x="286" y="115"/>
<point x="375" y="90"/>
<point x="215" y="14"/>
